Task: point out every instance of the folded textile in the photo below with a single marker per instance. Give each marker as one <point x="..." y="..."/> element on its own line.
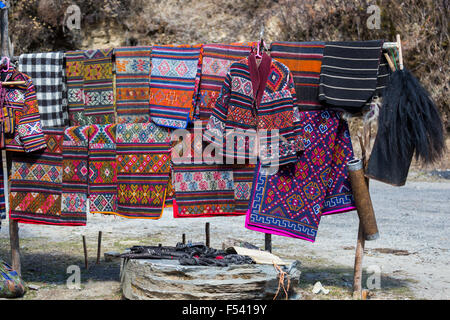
<point x="207" y="190"/>
<point x="75" y="172"/>
<point x="46" y="72"/>
<point x="132" y="84"/>
<point x="75" y="92"/>
<point x="143" y="167"/>
<point x="175" y="77"/>
<point x="36" y="185"/>
<point x="98" y="87"/>
<point x="349" y="74"/>
<point x="2" y="194"/>
<point x="102" y="169"/>
<point x="291" y="202"/>
<point x="304" y="60"/>
<point x="216" y="60"/>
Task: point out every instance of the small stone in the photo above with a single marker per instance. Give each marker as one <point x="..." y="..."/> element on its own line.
<point x="318" y="288"/>
<point x="33" y="287"/>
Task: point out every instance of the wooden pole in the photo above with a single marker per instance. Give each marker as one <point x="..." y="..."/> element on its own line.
<point x="183" y="238"/>
<point x="13" y="225"/>
<point x="99" y="246"/>
<point x="207" y="235"/>
<point x="357" y="273"/>
<point x="86" y="264"/>
<point x="268" y="242"/>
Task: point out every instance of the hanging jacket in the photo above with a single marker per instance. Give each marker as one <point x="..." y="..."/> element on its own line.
<point x="253" y="99"/>
<point x="25" y="132"/>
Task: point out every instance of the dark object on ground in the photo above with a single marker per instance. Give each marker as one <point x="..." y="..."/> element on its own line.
<point x="188" y="254"/>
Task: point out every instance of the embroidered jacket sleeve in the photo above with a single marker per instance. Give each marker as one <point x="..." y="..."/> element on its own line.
<point x="28" y="134"/>
<point x="215" y="129"/>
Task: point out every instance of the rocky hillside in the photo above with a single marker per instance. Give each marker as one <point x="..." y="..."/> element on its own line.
<point x="40" y="25"/>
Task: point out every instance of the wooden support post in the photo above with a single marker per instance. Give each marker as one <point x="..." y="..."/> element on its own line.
<point x="13" y="225"/>
<point x="183" y="238"/>
<point x="99" y="246"/>
<point x="86" y="264"/>
<point x="207" y="234"/>
<point x="357" y="273"/>
<point x="268" y="242"/>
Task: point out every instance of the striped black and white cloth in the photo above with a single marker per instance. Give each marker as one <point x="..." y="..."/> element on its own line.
<point x="46" y="72"/>
<point x="351" y="74"/>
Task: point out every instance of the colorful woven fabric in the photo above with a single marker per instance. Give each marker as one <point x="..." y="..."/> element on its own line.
<point x="304" y="60"/>
<point x="132" y="84"/>
<point x="216" y="61"/>
<point x="75" y="172"/>
<point x="143" y="167"/>
<point x="36" y="185"/>
<point x="174" y="82"/>
<point x="98" y="87"/>
<point x="75" y="92"/>
<point x="26" y="133"/>
<point x="256" y="99"/>
<point x="205" y="190"/>
<point x="291" y="202"/>
<point x="2" y="194"/>
<point x="102" y="169"/>
<point x="46" y="71"/>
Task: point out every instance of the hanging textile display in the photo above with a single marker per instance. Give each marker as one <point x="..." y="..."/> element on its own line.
<point x="74" y="81"/>
<point x="102" y="169"/>
<point x="170" y="192"/>
<point x="46" y="72"/>
<point x="216" y="60"/>
<point x="207" y="190"/>
<point x="36" y="185"/>
<point x="2" y="194"/>
<point x="256" y="98"/>
<point x="174" y="82"/>
<point x="349" y="74"/>
<point x="304" y="60"/>
<point x="143" y="166"/>
<point x="98" y="87"/>
<point x="291" y="202"/>
<point x="75" y="171"/>
<point x="21" y="120"/>
<point x="132" y="84"/>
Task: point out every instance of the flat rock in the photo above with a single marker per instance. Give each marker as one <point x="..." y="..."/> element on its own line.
<point x="145" y="279"/>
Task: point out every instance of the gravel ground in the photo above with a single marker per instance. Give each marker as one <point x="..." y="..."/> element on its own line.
<point x="412" y="251"/>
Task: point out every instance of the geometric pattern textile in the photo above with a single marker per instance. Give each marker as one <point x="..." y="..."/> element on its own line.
<point x="291" y="202"/>
<point x="208" y="190"/>
<point x="36" y="185"/>
<point x="175" y="77"/>
<point x="216" y="60"/>
<point x="143" y="167"/>
<point x="132" y="84"/>
<point x="102" y="169"/>
<point x="98" y="87"/>
<point x="75" y="171"/>
<point x="75" y="92"/>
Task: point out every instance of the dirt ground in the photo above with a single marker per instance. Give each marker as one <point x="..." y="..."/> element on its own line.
<point x="412" y="252"/>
